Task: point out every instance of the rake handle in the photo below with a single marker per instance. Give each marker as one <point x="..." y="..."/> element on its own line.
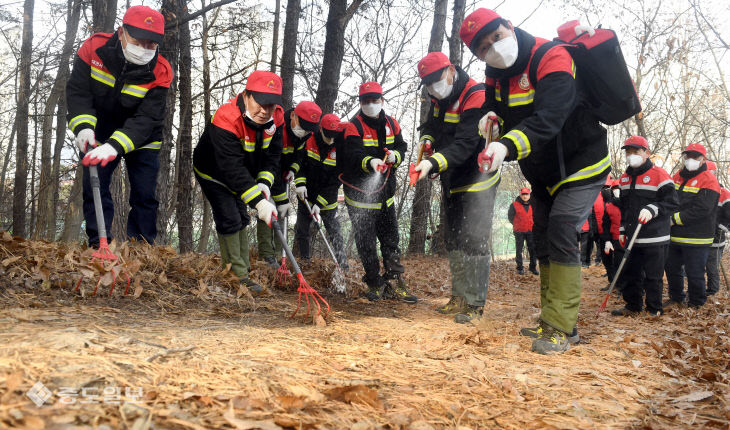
<point x="279" y="235"/>
<point x="321" y="232"/>
<point x="98" y="210"/>
<point x="620" y="267"/>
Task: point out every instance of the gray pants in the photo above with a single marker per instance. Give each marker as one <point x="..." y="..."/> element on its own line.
<point x="713" y="269"/>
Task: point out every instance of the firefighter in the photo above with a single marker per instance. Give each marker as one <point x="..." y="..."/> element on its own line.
<point x="693" y="229"/>
<point x="301" y="122"/>
<point x="520" y="216"/>
<point x="648" y="197"/>
<point x="235" y="163"/>
<point x="718" y="243"/>
<point x="116" y="98"/>
<point x="318" y="177"/>
<point x="375" y="149"/>
<point x="451" y="136"/>
<point x="561" y="149"/>
<point x="610" y="237"/>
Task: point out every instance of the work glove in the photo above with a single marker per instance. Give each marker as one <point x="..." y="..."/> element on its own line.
<point x="645" y="216"/>
<point x="423" y="168"/>
<point x="608" y="247"/>
<point x="266" y="211"/>
<point x="289" y="176"/>
<point x="492" y="157"/>
<point x="315" y="214"/>
<point x="427" y="147"/>
<point x="284" y="210"/>
<point x="377" y="165"/>
<point x="85" y="140"/>
<point x="100" y="155"/>
<point x="622" y="240"/>
<point x="264" y="190"/>
<point x="483" y="124"/>
<point x="301" y="192"/>
<point x="390" y="158"/>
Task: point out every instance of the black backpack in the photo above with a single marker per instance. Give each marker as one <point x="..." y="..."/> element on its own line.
<point x="601" y="72"/>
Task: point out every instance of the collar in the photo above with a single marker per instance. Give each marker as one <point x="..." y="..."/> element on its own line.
<point x="525" y="42"/>
<point x="641" y="169"/>
<point x="374" y="123"/>
<point x="687" y="175"/>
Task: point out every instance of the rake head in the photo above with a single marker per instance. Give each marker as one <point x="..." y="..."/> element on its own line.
<point x="305" y="289"/>
<point x="283" y="276"/>
<point x="103" y="255"/>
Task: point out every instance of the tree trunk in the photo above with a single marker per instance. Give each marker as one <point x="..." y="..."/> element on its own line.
<point x="6" y="162"/>
<point x="48" y="187"/>
<point x="51" y="231"/>
<point x="422" y="195"/>
<point x="21" y="119"/>
<point x="74" y="214"/>
<point x="456" y="48"/>
<point x="334" y="49"/>
<point x="207" y="215"/>
<point x="169" y="49"/>
<point x="104" y="14"/>
<point x="33" y="170"/>
<point x="289" y="51"/>
<point x="119" y="188"/>
<point x="275" y="37"/>
<point x="184" y="210"/>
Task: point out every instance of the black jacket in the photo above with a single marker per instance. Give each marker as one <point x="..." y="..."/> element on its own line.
<point x="123" y="103"/>
<point x="694" y="220"/>
<point x="319" y="172"/>
<point x="557" y="142"/>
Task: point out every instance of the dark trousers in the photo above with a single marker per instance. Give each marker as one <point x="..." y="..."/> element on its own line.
<point x="693" y="259"/>
<point x="520" y="239"/>
<point x="558" y="220"/>
<point x="142" y="167"/>
<point x="469" y="220"/>
<point x="376" y="224"/>
<point x="606" y="259"/>
<point x="334" y="234"/>
<point x="643" y="274"/>
<point x="586" y="247"/>
<point x="713" y="269"/>
<point x="613" y="260"/>
<point x="230" y="214"/>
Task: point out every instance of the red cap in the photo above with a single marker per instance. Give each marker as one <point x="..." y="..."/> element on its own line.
<point x="711" y="165"/>
<point x="636" y="142"/>
<point x="477" y="25"/>
<point x="343" y="125"/>
<point x="696" y="147"/>
<point x="370" y="90"/>
<point x="430" y="67"/>
<point x="330" y="122"/>
<point x="525" y="191"/>
<point x="265" y="87"/>
<point x="143" y="22"/>
<point x="309" y="114"/>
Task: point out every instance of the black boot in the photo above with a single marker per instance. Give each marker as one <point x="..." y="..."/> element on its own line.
<point x="376" y="289"/>
<point x="399" y="291"/>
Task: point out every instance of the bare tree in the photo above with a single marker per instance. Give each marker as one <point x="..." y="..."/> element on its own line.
<point x="184" y="192"/>
<point x="275" y="36"/>
<point x="289" y="50"/>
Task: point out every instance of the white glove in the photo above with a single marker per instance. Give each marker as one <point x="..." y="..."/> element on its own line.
<point x="301" y="192"/>
<point x="289" y="176"/>
<point x="85" y="139"/>
<point x="497" y="152"/>
<point x="645" y="216"/>
<point x="375" y="164"/>
<point x="265" y="190"/>
<point x="100" y="155"/>
<point x="483" y="125"/>
<point x="315" y="213"/>
<point x="608" y="247"/>
<point x="284" y="210"/>
<point x="390" y="159"/>
<point x="424" y="167"/>
<point x="266" y="211"/>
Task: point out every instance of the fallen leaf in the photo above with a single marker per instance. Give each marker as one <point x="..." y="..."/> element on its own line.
<point x="241" y="402"/>
<point x="291" y="402"/>
<point x="318" y="320"/>
<point x="356" y="394"/>
<point x="137" y="288"/>
<point x="10" y="260"/>
<point x="695" y="396"/>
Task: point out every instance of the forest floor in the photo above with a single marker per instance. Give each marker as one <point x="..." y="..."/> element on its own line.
<point x="198" y="354"/>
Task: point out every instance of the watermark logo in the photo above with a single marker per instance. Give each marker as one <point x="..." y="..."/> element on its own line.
<point x="39" y="394"/>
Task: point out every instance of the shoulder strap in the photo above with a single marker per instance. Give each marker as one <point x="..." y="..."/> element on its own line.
<point x="537" y="57"/>
<point x="390" y="124"/>
<point x="466" y="94"/>
<point x="358" y="125"/>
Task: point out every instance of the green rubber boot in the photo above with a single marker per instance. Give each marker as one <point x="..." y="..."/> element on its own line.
<point x="225" y="257"/>
<point x="544" y="283"/>
<point x="232" y="245"/>
<point x="266" y="242"/>
<point x="562" y="298"/>
<point x="458" y="278"/>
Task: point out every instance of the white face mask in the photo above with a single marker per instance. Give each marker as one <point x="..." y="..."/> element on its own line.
<point x="634" y="160"/>
<point x="137" y="54"/>
<point x="299" y="132"/>
<point x="441" y="89"/>
<point x="691" y="164"/>
<point x="248" y="115"/>
<point x="371" y="109"/>
<point x="616" y="192"/>
<point x="503" y="53"/>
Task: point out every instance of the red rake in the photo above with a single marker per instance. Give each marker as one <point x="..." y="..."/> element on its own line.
<point x="620" y="267"/>
<point x="103" y="253"/>
<point x="304" y="287"/>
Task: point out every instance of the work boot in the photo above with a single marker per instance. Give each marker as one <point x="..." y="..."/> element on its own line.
<point x="574" y="337"/>
<point x="669" y="304"/>
<point x="252" y="286"/>
<point x="537" y="331"/>
<point x="550" y="341"/>
<point x="624" y="312"/>
<point x="534" y="271"/>
<point x="399" y="292"/>
<point x="376" y="290"/>
<point x="454" y="306"/>
<point x="271" y="262"/>
<point x="470" y="313"/>
<point x="520" y="271"/>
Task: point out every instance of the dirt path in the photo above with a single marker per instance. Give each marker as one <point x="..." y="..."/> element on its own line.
<point x="385" y="365"/>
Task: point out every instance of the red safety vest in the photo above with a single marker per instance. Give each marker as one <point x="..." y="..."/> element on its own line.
<point x="522" y="222"/>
